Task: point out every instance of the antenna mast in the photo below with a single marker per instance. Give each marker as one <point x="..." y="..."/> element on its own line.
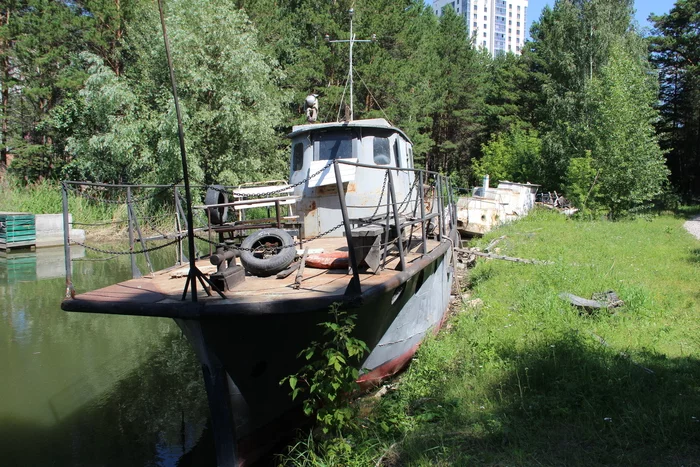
<point x="351" y="41"/>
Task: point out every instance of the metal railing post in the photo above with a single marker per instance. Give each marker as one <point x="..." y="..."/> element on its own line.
<point x="354" y="286"/>
<point x="135" y="272"/>
<point x="181" y="219"/>
<point x="438" y="200"/>
<point x="178" y="252"/>
<point x="421" y="199"/>
<point x="397" y="222"/>
<point x="70" y="291"/>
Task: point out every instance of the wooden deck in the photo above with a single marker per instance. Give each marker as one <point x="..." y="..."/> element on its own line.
<point x="154" y="295"/>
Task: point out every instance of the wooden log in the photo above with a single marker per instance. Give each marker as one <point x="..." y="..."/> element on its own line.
<point x="293" y="267"/>
<point x="501" y="257"/>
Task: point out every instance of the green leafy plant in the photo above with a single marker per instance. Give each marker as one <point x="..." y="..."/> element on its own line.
<point x="330" y="372"/>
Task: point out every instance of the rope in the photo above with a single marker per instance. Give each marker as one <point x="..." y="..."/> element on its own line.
<point x="372" y="96"/>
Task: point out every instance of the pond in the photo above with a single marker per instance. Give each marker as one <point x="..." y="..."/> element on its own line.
<point x="93" y="390"/>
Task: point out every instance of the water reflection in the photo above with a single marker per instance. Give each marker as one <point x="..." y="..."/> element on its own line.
<point x="84" y="389"/>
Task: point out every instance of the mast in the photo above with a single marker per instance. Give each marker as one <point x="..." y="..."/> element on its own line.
<point x="351" y="41"/>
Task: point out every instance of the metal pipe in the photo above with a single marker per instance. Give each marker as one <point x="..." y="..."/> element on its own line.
<point x="70" y="291"/>
<point x="397" y="222"/>
<point x="354" y="285"/>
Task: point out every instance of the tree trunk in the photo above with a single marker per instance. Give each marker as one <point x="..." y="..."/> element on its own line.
<point x="5" y="53"/>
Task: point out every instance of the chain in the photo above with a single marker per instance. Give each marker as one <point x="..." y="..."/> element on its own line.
<point x="300" y="242"/>
<point x="272" y="192"/>
<point x="112" y="252"/>
<point x="110" y="201"/>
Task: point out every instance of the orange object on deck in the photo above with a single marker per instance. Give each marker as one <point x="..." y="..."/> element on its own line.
<point x="331" y="260"/>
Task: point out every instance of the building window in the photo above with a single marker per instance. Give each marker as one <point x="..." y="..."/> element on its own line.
<point x="518" y="15"/>
<point x="485" y="27"/>
<point x="510" y="30"/>
<point x="474" y="15"/>
<point x="518" y="7"/>
<point x="518" y="24"/>
<point x="510" y="14"/>
<point x="484" y="33"/>
<point x="510" y="23"/>
<point x="486" y="18"/>
<point x="517" y="40"/>
<point x="475" y="8"/>
<point x="474" y="24"/>
<point x="484" y="43"/>
<point x="485" y="9"/>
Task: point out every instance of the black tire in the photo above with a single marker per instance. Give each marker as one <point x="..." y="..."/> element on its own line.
<point x="269" y="255"/>
<point x="215" y="196"/>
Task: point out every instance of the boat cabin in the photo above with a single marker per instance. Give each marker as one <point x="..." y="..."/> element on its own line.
<point x="371" y="144"/>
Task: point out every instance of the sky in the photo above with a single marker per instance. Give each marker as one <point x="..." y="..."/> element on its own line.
<point x="644" y="9"/>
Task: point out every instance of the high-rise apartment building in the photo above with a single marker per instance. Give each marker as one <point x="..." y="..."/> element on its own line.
<point x="496" y="25"/>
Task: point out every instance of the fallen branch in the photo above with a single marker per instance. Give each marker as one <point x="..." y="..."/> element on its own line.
<point x="504" y="258"/>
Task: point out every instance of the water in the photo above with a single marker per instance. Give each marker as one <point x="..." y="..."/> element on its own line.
<point x="93" y="390"/>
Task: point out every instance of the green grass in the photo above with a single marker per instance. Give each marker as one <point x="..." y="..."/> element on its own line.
<point x="88" y="209"/>
<point x="525" y="380"/>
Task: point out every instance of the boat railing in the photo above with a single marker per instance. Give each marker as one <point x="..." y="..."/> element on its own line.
<point x="426" y="204"/>
<point x="429" y="200"/>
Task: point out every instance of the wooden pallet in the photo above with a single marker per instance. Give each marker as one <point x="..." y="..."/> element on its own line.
<point x="17" y="231"/>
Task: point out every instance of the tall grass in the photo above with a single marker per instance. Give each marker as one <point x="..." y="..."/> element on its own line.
<point x="527" y="379"/>
<point x="91" y="211"/>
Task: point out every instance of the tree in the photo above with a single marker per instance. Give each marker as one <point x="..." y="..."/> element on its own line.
<point x="676" y="53"/>
<point x="621" y="143"/>
<point x="125" y="129"/>
<point x="514" y="154"/>
<point x="570" y="44"/>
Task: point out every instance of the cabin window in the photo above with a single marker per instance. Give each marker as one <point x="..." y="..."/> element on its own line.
<point x="382" y="151"/>
<point x="334" y="146"/>
<point x="397" y="154"/>
<point x="297" y="156"/>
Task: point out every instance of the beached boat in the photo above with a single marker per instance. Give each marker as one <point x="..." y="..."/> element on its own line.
<point x="395" y="224"/>
<point x="355" y="196"/>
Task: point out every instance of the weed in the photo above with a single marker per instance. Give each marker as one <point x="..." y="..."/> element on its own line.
<point x="330" y="373"/>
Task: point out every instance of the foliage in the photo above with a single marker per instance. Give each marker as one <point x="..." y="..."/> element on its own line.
<point x="581" y="182"/>
<point x="227" y="92"/>
<point x="511" y="155"/>
<point x="331" y="372"/>
<point x="676" y="53"/>
<point x="570" y="45"/>
<point x="629" y="164"/>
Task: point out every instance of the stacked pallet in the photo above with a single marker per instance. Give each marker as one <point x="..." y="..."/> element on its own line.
<point x="17" y="231"/>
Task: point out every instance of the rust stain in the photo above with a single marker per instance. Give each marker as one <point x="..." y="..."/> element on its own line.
<point x="327" y="190"/>
<point x="313" y="207"/>
<point x="352" y="188"/>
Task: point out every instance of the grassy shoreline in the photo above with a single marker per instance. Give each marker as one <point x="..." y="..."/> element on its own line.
<point x="527" y="379"/>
